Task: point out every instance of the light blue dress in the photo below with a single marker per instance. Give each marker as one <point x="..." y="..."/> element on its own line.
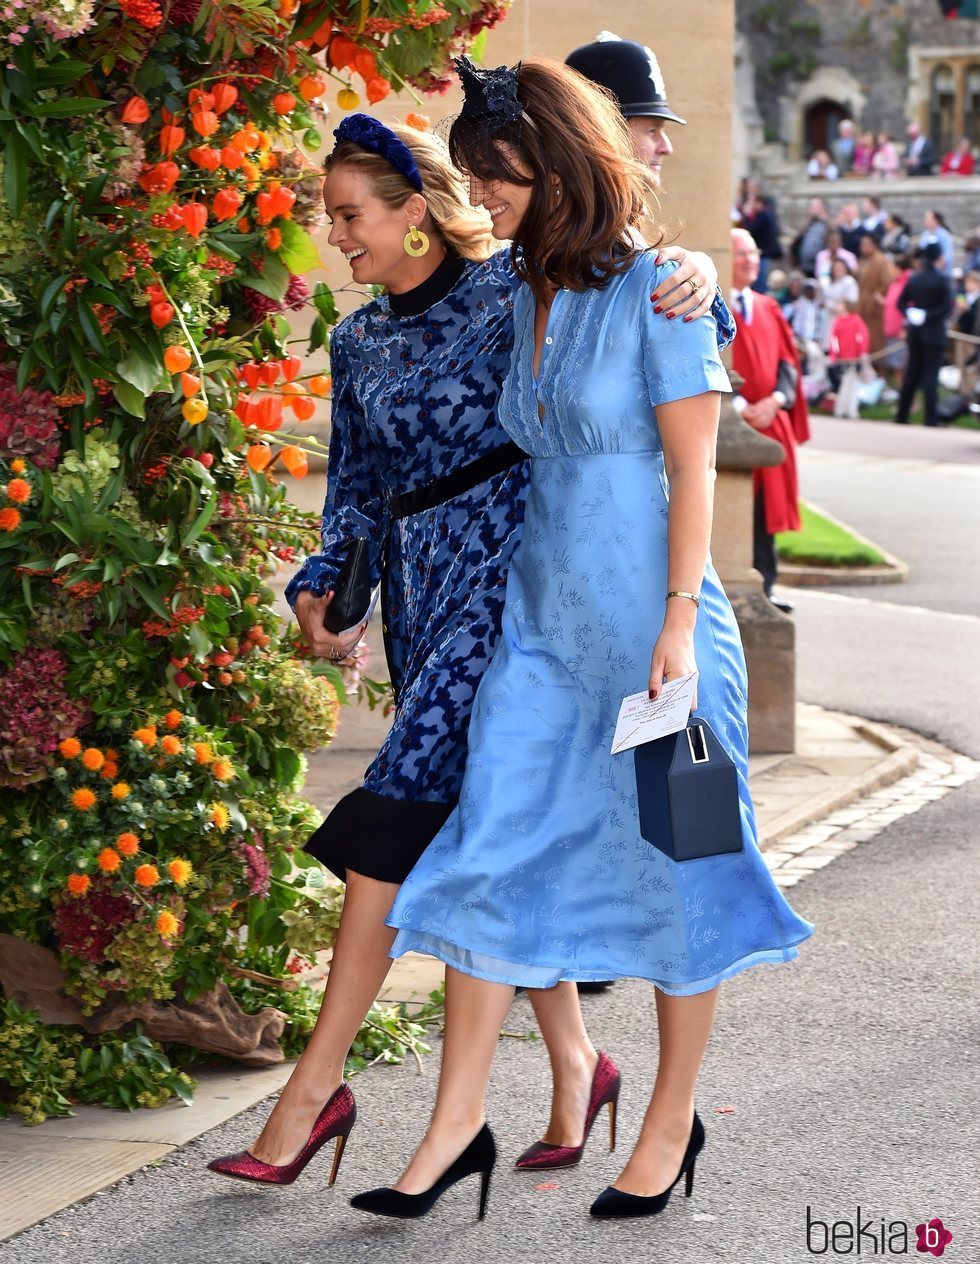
<point x="541" y="874"/>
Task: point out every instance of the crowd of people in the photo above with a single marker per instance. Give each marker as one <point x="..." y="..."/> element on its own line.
<point x="848" y="286"/>
<point x="877" y="155"/>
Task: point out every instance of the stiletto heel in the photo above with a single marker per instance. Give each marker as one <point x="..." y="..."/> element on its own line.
<point x="480" y="1156"/>
<point x="338" y="1154"/>
<point x="616" y="1202"/>
<point x="605" y="1091"/>
<point x="335" y="1120"/>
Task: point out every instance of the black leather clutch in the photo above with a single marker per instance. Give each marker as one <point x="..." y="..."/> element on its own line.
<point x="351" y="603"/>
<point x="687" y="788"/>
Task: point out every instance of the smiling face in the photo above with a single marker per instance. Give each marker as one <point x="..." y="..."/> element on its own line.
<point x="505" y="202"/>
<point x="650" y="143"/>
<point x="368" y="232"/>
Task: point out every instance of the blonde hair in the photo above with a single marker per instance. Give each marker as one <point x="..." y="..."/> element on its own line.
<point x="464" y="228"/>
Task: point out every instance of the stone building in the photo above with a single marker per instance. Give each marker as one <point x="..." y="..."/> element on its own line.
<point x="804" y="65"/>
<point x="881" y="63"/>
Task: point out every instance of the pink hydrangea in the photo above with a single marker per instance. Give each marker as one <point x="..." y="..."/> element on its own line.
<point x="258" y="867"/>
<point x="28" y="424"/>
<point x="36" y="713"/>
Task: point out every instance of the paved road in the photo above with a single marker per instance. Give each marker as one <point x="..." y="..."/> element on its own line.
<point x="907" y="653"/>
<point x="852" y="1072"/>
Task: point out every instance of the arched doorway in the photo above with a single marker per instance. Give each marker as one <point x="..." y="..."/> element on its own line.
<point x="820" y="124"/>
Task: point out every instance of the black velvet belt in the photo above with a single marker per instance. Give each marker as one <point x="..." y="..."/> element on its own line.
<point x="462" y="480"/>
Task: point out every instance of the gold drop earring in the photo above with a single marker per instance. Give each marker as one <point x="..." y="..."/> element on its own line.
<point x="416" y="243"/>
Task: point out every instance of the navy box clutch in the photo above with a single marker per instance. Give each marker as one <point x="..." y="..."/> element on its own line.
<point x="687" y="787"/>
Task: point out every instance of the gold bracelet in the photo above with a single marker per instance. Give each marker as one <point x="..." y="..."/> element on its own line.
<point x="690" y="596"/>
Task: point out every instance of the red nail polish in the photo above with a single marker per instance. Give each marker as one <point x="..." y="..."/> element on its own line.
<point x="658" y="310"/>
<point x="687" y="319"/>
<point x="653" y="695"/>
<point x="671" y="315"/>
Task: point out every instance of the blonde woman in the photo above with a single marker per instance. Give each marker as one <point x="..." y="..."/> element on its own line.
<point x="420" y="467"/>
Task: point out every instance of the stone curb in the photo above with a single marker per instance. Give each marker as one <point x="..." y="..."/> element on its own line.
<point x="797" y="575"/>
<point x="903" y="758"/>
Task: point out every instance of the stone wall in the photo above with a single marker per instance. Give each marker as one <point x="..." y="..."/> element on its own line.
<point x="862" y="46"/>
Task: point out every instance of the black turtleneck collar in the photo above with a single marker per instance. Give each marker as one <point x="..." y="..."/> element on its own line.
<point x="432" y="290"/>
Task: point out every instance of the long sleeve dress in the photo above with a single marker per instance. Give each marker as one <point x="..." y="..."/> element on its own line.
<point x="416" y="380"/>
<point x="541" y="873"/>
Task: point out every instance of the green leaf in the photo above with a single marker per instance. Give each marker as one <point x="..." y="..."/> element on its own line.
<point x="15" y="173"/>
<point x="51" y="292"/>
<point x="62" y="73"/>
<point x="325" y="304"/>
<point x="153" y="600"/>
<point x="312" y="138"/>
<point x="141" y="369"/>
<point x="274" y="281"/>
<point x="66" y="559"/>
<point x="90" y="328"/>
<point x="203" y="518"/>
<point x="130" y="398"/>
<point x="68" y="106"/>
<point x="298" y="250"/>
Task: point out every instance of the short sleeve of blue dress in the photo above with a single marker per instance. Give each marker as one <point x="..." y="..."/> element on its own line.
<point x="682" y="359"/>
<point x="541" y="873"/>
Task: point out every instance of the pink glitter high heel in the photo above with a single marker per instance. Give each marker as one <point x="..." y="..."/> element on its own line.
<point x="334" y="1121"/>
<point x="604" y="1092"/>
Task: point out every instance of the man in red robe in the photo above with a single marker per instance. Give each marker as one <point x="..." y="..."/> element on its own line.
<point x="770" y="399"/>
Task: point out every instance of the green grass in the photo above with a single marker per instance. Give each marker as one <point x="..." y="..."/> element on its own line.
<point x="824" y="543"/>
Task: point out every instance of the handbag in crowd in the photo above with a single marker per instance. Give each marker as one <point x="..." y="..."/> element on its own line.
<point x="687" y="788"/>
<point x="352" y="602"/>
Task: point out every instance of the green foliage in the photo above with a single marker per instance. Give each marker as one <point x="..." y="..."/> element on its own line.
<point x="45" y="1069"/>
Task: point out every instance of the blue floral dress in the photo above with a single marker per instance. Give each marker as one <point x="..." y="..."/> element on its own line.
<point x="415" y="400"/>
<point x="541" y="873"/>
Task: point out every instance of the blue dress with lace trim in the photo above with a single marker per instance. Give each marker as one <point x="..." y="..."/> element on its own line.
<point x="540" y="874"/>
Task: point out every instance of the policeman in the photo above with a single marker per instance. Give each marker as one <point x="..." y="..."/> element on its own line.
<point x="631" y="73"/>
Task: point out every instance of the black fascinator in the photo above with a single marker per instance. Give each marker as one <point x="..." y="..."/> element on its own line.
<point x="489" y="95"/>
<point x="492" y="112"/>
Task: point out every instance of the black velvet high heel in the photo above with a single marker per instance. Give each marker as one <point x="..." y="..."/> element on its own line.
<point x="616" y="1202"/>
<point x="480" y="1156"/>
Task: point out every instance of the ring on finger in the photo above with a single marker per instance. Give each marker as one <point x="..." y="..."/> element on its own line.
<point x="695" y="285"/>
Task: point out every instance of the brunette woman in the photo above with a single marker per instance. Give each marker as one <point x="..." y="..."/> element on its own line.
<point x="419" y="466"/>
<point x="541" y="875"/>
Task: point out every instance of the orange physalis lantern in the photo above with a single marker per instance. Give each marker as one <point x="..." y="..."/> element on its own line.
<point x="204" y="122"/>
<point x="291" y="366"/>
<point x="294" y="459"/>
<point x="195" y="217"/>
<point x="303" y="407"/>
<point x="202" y="156"/>
<point x="226" y="204"/>
<point x="310" y="87"/>
<point x="159" y="178"/>
<point x="377" y="89"/>
<point x="177" y="359"/>
<point x="171" y="138"/>
<point x="258" y="456"/>
<point x="284" y="103"/>
<point x="225" y="95"/>
<point x="135" y="111"/>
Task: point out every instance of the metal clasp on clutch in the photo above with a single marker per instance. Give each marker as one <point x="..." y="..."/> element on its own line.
<point x="702" y="757"/>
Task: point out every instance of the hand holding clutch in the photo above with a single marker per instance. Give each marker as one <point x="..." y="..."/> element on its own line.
<point x="352" y="601"/>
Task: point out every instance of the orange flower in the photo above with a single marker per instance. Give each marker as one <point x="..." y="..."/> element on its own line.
<point x="9" y="519"/>
<point x="171" y="745"/>
<point x="226" y="204"/>
<point x="78" y="883"/>
<point x="204" y="122"/>
<point x="109" y="860"/>
<point x="135" y="111"/>
<point x="180" y="871"/>
<point x="70" y="748"/>
<point x="19" y="491"/>
<point x="109" y="771"/>
<point x="273" y="239"/>
<point x="93" y="759"/>
<point x="172" y="720"/>
<point x="17" y="466"/>
<point x="83" y="799"/>
<point x="203" y="754"/>
<point x="167" y="925"/>
<point x="128" y="844"/>
<point x="219" y="816"/>
<point x="284" y="103"/>
<point x="148" y="736"/>
<point x="221" y="770"/>
<point x="147" y="875"/>
<point x="159" y="178"/>
<point x="171" y="138"/>
<point x="121" y="790"/>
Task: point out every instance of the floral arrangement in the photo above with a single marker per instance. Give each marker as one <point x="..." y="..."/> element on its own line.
<point x="158" y="206"/>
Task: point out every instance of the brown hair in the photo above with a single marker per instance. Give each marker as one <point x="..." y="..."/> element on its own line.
<point x="587" y="190"/>
<point x="464" y="228"/>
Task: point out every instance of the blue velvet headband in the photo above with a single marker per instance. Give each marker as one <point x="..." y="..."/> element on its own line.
<point x="369" y="134"/>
